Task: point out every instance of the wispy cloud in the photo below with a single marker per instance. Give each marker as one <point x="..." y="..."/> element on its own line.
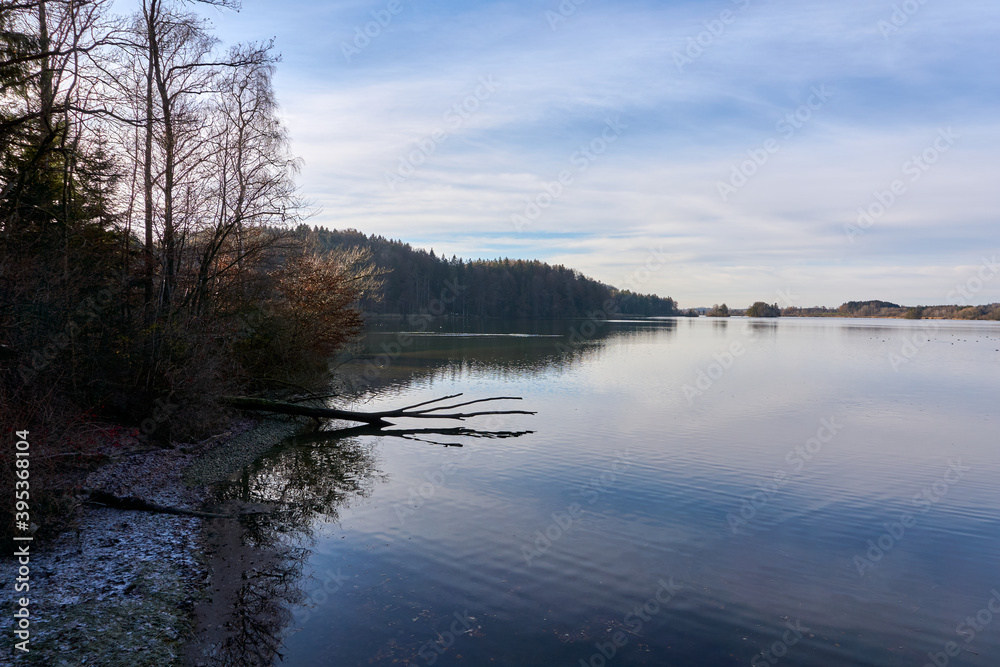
<point x="353" y="120"/>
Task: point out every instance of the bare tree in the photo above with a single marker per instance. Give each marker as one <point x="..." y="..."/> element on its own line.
<point x="251" y="171"/>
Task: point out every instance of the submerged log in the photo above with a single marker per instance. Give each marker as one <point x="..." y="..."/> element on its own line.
<point x="99" y="497"/>
<point x="373" y="418"/>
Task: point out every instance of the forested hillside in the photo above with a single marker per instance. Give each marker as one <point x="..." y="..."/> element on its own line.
<point x="508" y="288"/>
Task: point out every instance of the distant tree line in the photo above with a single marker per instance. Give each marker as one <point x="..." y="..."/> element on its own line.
<point x="867" y="308"/>
<point x="414" y="278"/>
<point x="872" y="308"/>
<point x="891" y="310"/>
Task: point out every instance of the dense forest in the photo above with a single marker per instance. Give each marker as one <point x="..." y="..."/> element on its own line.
<point x="415" y="279"/>
<point x="148" y="260"/>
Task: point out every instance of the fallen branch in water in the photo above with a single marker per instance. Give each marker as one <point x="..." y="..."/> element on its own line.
<point x="374" y="418"/>
<point x="405" y="433"/>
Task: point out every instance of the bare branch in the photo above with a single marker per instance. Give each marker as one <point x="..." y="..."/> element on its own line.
<point x="376" y="418"/>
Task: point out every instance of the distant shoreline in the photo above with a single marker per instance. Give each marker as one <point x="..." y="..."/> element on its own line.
<point x="638" y="318"/>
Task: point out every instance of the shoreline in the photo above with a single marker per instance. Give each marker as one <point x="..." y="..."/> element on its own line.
<point x="129" y="588"/>
<point x="834" y="315"/>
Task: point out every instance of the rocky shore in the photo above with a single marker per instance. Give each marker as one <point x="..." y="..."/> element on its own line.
<point x="133" y="588"/>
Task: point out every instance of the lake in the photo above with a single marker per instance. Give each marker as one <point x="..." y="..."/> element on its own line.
<point x="690" y="492"/>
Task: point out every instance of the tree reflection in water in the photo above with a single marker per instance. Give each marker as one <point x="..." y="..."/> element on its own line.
<point x="256" y="560"/>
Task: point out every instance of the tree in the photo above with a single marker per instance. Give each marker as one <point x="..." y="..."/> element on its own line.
<point x="762" y="309"/>
<point x="250" y="171"/>
<point x="719" y="311"/>
<point x="146" y="188"/>
<point x="143" y="166"/>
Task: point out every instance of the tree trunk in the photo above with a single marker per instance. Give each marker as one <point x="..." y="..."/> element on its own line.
<point x="147" y="171"/>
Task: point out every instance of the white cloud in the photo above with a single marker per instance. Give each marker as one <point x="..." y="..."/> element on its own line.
<point x="657" y="185"/>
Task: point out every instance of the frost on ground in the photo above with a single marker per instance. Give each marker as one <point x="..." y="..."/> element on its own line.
<point x="120" y="588"/>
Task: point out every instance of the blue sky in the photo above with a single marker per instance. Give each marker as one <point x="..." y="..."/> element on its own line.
<point x="686" y="171"/>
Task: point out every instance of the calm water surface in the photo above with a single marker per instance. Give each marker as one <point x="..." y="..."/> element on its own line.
<point x="692" y="492"/>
